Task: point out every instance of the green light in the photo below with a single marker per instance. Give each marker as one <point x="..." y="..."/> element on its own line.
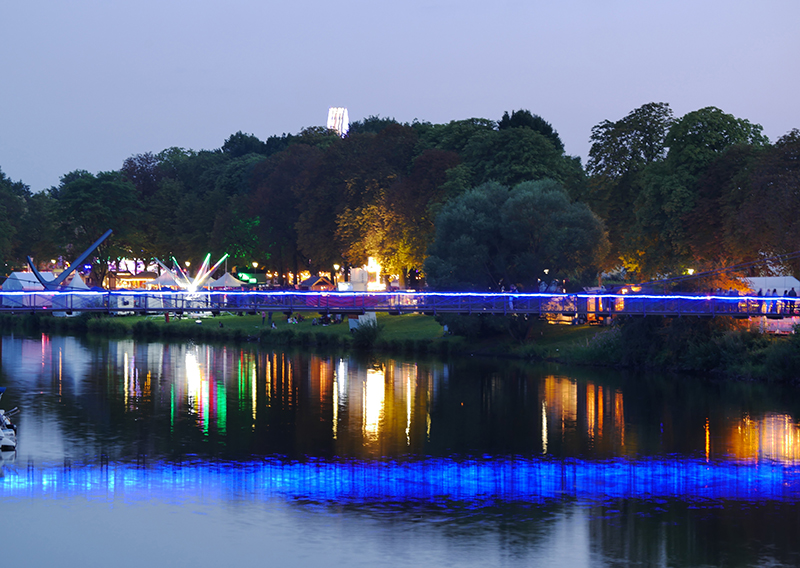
<point x="222" y="407"/>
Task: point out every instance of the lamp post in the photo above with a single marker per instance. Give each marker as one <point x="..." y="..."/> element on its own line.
<point x="335" y="275"/>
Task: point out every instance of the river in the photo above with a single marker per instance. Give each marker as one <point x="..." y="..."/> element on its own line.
<point x="185" y="454"/>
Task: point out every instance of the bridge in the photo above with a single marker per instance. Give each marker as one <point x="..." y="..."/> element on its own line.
<point x="583" y="305"/>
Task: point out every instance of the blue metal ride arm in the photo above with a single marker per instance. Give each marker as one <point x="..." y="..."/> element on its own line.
<point x="55" y="284"/>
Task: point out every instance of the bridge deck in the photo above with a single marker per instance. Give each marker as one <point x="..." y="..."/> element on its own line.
<point x="121" y="301"/>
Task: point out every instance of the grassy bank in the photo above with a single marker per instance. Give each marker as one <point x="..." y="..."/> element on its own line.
<point x="410" y="333"/>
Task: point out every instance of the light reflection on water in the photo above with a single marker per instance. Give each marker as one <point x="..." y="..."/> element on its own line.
<point x="351" y="407"/>
<point x="385" y="445"/>
<point x="470" y="482"/>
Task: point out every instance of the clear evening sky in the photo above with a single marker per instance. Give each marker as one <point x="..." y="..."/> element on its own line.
<point x="85" y="84"/>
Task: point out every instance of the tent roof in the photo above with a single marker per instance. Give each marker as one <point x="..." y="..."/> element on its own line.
<point x="166" y="279"/>
<point x="76" y="283"/>
<point x="779" y="283"/>
<point x="314" y="280"/>
<point x="25" y="281"/>
<point x="225" y="281"/>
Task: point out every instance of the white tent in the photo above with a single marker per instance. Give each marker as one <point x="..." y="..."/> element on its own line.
<point x="166" y="279"/>
<point x="225" y="281"/>
<point x="76" y="283"/>
<point x="25" y="281"/>
<point x="780" y="283"/>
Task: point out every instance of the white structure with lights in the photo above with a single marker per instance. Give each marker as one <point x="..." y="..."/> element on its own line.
<point x="338" y="120"/>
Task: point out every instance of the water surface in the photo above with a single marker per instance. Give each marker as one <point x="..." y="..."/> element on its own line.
<point x="194" y="455"/>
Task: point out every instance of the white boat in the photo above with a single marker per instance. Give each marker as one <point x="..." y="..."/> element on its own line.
<point x="8" y="431"/>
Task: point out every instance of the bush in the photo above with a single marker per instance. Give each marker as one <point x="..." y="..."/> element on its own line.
<point x="366" y="334"/>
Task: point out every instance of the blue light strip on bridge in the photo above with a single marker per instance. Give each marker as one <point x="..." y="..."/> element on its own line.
<point x="476" y="295"/>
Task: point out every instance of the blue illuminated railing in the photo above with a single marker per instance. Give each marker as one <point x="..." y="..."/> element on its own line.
<point x="531" y="480"/>
<point x="121" y="301"/>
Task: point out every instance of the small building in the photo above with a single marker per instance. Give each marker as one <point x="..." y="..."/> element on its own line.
<point x="124" y="279"/>
<point x="316" y="284"/>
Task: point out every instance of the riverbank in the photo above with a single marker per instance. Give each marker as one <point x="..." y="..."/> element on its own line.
<point x="720" y="347"/>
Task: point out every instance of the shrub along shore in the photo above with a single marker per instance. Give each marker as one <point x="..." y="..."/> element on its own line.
<point x="719" y="347"/>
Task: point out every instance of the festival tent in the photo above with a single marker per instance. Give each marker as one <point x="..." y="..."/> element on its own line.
<point x="64" y="302"/>
<point x="166" y="279"/>
<point x="25" y="281"/>
<point x="225" y="281"/>
<point x="780" y="283"/>
<point x="76" y="283"/>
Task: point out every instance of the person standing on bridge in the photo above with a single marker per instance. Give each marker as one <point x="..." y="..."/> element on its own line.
<point x="792" y="295"/>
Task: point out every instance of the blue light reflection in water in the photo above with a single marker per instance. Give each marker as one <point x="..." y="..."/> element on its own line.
<point x="465" y="481"/>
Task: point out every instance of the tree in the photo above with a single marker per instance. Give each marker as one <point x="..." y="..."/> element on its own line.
<point x="699" y="137"/>
<point x="455" y="135"/>
<point x="372" y="124"/>
<point x="13" y="204"/>
<point x="143" y="171"/>
<point x="620" y="152"/>
<point x="493" y="236"/>
<point x="669" y="188"/>
<point x="524" y="119"/>
<point x="39" y="224"/>
<point x="363" y="221"/>
<point x="240" y="144"/>
<point x="631" y="143"/>
<point x="88" y="206"/>
<point x="720" y="224"/>
<point x="514" y="155"/>
<point x="769" y="216"/>
<point x="274" y="203"/>
<point x="405" y="213"/>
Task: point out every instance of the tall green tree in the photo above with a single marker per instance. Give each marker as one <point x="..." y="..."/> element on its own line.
<point x="274" y="203"/>
<point x="241" y="144"/>
<point x="13" y="205"/>
<point x="720" y="223"/>
<point x="525" y="119"/>
<point x="769" y="217"/>
<point x="620" y="152"/>
<point x="662" y="239"/>
<point x="514" y="155"/>
<point x="493" y="236"/>
<point x="89" y="205"/>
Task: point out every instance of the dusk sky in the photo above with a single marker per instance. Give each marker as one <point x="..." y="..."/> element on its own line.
<point x="88" y="83"/>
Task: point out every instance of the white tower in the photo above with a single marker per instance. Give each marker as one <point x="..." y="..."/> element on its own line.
<point x="338" y="120"/>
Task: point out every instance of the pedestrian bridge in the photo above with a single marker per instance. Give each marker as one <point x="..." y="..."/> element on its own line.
<point x="567" y="305"/>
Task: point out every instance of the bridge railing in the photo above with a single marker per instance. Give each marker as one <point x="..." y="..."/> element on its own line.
<point x="124" y="301"/>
